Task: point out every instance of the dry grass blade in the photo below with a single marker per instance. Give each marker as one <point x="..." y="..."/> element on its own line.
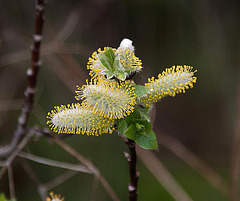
<point x="193" y="161"/>
<point x="162" y="175"/>
<point x="87" y="163"/>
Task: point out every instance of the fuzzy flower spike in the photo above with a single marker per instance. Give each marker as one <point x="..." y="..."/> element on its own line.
<point x="109" y="99"/>
<point x="171" y="82"/>
<point x="75" y="119"/>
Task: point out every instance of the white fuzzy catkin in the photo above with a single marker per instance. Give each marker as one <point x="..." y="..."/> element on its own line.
<point x="76" y="119"/>
<point x="171" y="82"/>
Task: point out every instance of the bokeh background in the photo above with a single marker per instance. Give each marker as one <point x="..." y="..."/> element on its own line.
<point x="204" y="34"/>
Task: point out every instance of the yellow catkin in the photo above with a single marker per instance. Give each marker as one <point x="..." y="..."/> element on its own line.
<point x="107" y="98"/>
<point x="171" y="82"/>
<point x="75" y="119"/>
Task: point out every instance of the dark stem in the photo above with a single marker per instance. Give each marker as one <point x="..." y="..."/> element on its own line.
<point x="31" y="75"/>
<point x="134" y="174"/>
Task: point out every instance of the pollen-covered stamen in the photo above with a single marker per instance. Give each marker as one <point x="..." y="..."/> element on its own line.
<point x="78" y="120"/>
<point x="128" y="61"/>
<point x="109" y="99"/>
<point x="171" y="82"/>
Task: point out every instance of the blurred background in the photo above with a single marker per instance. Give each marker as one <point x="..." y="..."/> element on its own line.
<point x="201" y="123"/>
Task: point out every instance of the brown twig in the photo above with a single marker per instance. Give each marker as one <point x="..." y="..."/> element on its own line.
<point x="91" y="167"/>
<point x="134" y="174"/>
<point x="32" y="75"/>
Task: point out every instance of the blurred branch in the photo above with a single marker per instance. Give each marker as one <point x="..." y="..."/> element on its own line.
<point x="45" y="161"/>
<point x="235" y="158"/>
<point x="162" y="175"/>
<point x="29" y="171"/>
<point x="15" y="152"/>
<point x="11" y="182"/>
<point x="32" y="75"/>
<point x="193" y="161"/>
<point x="58" y="180"/>
<point x="91" y="167"/>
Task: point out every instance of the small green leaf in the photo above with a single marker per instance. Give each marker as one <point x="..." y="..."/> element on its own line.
<point x="143" y="124"/>
<point x="147" y="140"/>
<point x="131" y="132"/>
<point x="140" y="127"/>
<point x="110" y="54"/>
<point x="141" y="90"/>
<point x="120" y="75"/>
<point x="109" y="74"/>
<point x="122" y="126"/>
<point x="143" y="113"/>
<point x="106" y="61"/>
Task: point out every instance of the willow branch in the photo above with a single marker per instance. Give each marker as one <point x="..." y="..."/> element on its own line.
<point x="31" y="76"/>
<point x="134" y="174"/>
<point x="45" y="161"/>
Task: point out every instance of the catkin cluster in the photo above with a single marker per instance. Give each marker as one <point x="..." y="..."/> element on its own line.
<point x="110" y="95"/>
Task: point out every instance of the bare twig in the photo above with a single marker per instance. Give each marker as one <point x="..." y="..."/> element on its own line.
<point x="87" y="163"/>
<point x="34" y="178"/>
<point x="79" y="168"/>
<point x="235" y="158"/>
<point x="193" y="161"/>
<point x="11" y="182"/>
<point x="134" y="174"/>
<point x="16" y="151"/>
<point x="58" y="180"/>
<point x="162" y="175"/>
<point x="32" y="75"/>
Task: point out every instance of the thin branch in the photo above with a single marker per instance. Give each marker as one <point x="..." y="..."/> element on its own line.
<point x="134" y="174"/>
<point x="79" y="168"/>
<point x="15" y="153"/>
<point x="162" y="175"/>
<point x="32" y="76"/>
<point x="235" y="158"/>
<point x="193" y="161"/>
<point x="11" y="182"/>
<point x="58" y="180"/>
<point x="29" y="171"/>
<point x="87" y="163"/>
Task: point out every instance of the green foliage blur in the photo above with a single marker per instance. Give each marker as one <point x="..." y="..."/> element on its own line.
<point x="203" y="34"/>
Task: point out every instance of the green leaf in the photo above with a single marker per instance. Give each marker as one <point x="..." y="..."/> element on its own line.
<point x="120" y="75"/>
<point x="106" y="61"/>
<point x="122" y="126"/>
<point x="147" y="140"/>
<point x="131" y="132"/>
<point x="109" y="74"/>
<point x="110" y="54"/>
<point x="143" y="113"/>
<point x="141" y="90"/>
<point x="143" y="124"/>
